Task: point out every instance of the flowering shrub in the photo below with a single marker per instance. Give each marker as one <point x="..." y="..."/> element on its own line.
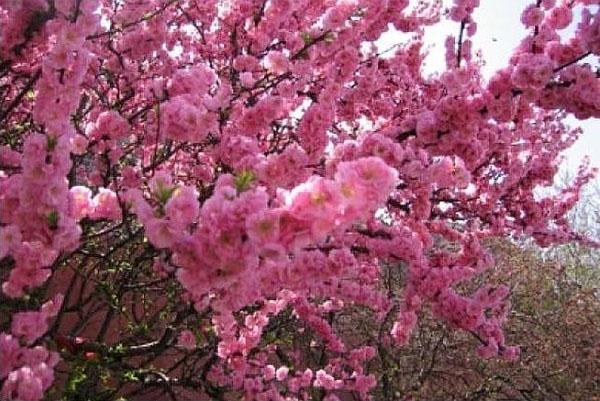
<point x="182" y="182"/>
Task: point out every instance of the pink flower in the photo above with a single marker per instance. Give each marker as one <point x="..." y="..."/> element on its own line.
<point x="135" y="199"/>
<point x="364" y="383"/>
<point x="21" y="277"/>
<point x="369" y="178"/>
<point x="277" y="62"/>
<point x="488" y="351"/>
<point x="533" y="71"/>
<point x="186" y="122"/>
<point x="337" y="14"/>
<point x="183" y="207"/>
<point x="269" y="372"/>
<point x="52" y="307"/>
<point x="112" y="125"/>
<point x="427" y="126"/>
<point x="282" y="373"/>
<point x="246" y="63"/>
<point x="306" y="377"/>
<point x="404" y="326"/>
<point x="263" y="227"/>
<point x="161" y="185"/>
<point x="10" y="238"/>
<point x="312" y="131"/>
<point x="324" y="380"/>
<point x="196" y="80"/>
<point x="44" y="372"/>
<point x="79" y="144"/>
<point x="23" y="385"/>
<point x="9" y="349"/>
<point x="161" y="233"/>
<point x="560" y="17"/>
<point x="29" y="325"/>
<point x="548" y="4"/>
<point x="186" y="340"/>
<point x="511" y="353"/>
<point x="532" y="16"/>
<point x="247" y="79"/>
<point x="9" y="157"/>
<point x="449" y="172"/>
<point x="131" y="177"/>
<point x="106" y="205"/>
<point x="319" y="203"/>
<point x="80" y="202"/>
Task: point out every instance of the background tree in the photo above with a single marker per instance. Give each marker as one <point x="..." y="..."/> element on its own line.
<point x="553" y="318"/>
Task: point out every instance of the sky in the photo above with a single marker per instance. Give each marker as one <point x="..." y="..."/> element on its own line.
<point x="499" y="31"/>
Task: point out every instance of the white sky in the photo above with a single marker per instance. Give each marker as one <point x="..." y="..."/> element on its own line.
<point x="499" y="31"/>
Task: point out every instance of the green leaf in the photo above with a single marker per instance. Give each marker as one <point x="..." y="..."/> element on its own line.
<point x="306" y="38"/>
<point x="131" y="376"/>
<point x="164" y="193"/>
<point x="330" y="37"/>
<point x="244" y="180"/>
<point x="52" y="219"/>
<point x="51" y="143"/>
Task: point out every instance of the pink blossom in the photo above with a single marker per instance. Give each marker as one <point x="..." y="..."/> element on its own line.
<point x="79" y="144"/>
<point x="449" y="172"/>
<point x="161" y="232"/>
<point x="186" y="340"/>
<point x="263" y="226"/>
<point x="368" y="178"/>
<point x="81" y="204"/>
<point x="324" y="380"/>
<point x="112" y="125"/>
<point x="276" y="62"/>
<point x="532" y="71"/>
<point x="282" y="373"/>
<point x="22" y="384"/>
<point x="560" y="17"/>
<point x="275" y="158"/>
<point x="269" y="372"/>
<point x="184" y="121"/>
<point x="197" y="80"/>
<point x="135" y="199"/>
<point x="52" y="307"/>
<point x="532" y="16"/>
<point x="106" y="205"/>
<point x="29" y="325"/>
<point x="183" y="208"/>
<point x="9" y="157"/>
<point x="131" y="177"/>
<point x="247" y="79"/>
<point x="9" y="349"/>
<point x="10" y="238"/>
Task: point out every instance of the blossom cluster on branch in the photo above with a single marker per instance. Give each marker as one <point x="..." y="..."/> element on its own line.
<point x="264" y="160"/>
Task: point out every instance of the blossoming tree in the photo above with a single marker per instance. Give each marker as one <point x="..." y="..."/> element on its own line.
<point x="182" y="182"/>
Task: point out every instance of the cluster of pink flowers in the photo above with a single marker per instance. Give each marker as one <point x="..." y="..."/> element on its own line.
<point x="236" y="229"/>
<point x="533" y="71"/>
<point x="462" y="9"/>
<point x="257" y="378"/>
<point x="183" y="121"/>
<point x="312" y="132"/>
<point x="28" y="371"/>
<point x="38" y="223"/>
<point x="284" y="170"/>
<point x="268" y="158"/>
